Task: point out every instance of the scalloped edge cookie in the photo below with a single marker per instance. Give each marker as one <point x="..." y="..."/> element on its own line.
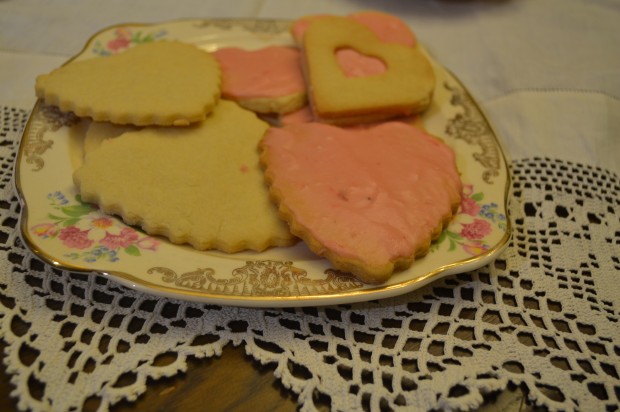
<point x="266" y="80"/>
<point x="201" y="185"/>
<point x="370" y="200"/>
<point x="160" y="83"/>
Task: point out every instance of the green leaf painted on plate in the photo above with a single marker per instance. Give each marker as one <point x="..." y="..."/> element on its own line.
<point x="441" y="237"/>
<point x="478" y="196"/>
<point x="70" y="222"/>
<point x="453" y="235"/>
<point x="452" y="245"/>
<point x="77" y="210"/>
<point x="132" y="250"/>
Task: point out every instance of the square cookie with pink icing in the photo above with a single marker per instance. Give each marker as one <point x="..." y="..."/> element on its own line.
<point x="358" y="73"/>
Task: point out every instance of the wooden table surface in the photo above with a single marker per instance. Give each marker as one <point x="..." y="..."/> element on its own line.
<point x="231" y="382"/>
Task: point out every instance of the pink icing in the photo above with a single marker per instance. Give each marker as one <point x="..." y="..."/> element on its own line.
<point x="302" y="115"/>
<point x="273" y="71"/>
<point x="387" y="28"/>
<point x="371" y="194"/>
<point x="355" y="64"/>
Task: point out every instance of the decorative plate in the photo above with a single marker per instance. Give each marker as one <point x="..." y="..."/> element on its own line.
<point x="75" y="236"/>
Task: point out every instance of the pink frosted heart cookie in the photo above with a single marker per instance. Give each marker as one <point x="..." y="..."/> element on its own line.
<point x="370" y="200"/>
<point x="266" y="80"/>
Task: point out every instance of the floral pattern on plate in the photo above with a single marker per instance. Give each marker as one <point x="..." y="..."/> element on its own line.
<point x="89" y="235"/>
<point x="125" y="37"/>
<point x="475" y="221"/>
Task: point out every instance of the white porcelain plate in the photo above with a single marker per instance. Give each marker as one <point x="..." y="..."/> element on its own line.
<point x="75" y="236"/>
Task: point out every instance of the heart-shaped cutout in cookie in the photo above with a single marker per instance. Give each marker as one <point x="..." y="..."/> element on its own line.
<point x="404" y="88"/>
<point x="160" y="83"/>
<point x="368" y="199"/>
<point x="355" y="64"/>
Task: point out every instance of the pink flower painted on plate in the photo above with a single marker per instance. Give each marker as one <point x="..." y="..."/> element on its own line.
<point x="469" y="206"/>
<point x="102" y="222"/>
<point x="478" y="229"/>
<point x="468" y="190"/>
<point x="475" y="249"/>
<point x="76" y="238"/>
<point x="45" y="230"/>
<point x="481" y="219"/>
<point x="148" y="243"/>
<point x="126" y="238"/>
<point x="121" y="41"/>
<point x="74" y="222"/>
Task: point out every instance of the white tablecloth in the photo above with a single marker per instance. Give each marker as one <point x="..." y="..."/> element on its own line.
<point x="546" y="72"/>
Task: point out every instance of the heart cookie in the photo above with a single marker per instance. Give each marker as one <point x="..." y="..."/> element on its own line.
<point x="160" y="83"/>
<point x="403" y="89"/>
<point x="273" y="84"/>
<point x="370" y="199"/>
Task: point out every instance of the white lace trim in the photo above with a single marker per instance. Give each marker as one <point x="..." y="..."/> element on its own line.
<point x="543" y="316"/>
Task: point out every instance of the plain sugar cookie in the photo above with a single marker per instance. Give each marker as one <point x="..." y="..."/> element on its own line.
<point x="159" y="83"/>
<point x="200" y="185"/>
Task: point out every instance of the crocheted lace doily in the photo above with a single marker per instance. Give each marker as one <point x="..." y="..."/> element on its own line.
<point x="543" y="316"/>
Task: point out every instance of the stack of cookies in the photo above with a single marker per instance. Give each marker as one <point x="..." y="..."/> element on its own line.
<point x="250" y="149"/>
<point x="165" y="152"/>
